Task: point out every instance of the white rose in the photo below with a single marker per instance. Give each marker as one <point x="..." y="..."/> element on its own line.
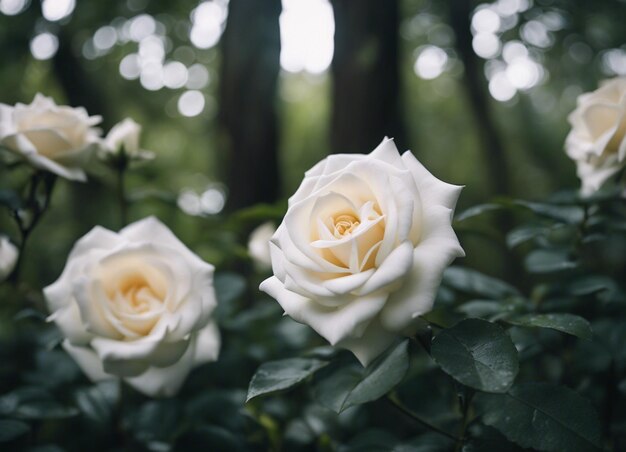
<point x="54" y="138"/>
<point x="259" y="245"/>
<point x="126" y="135"/>
<point x="136" y="305"/>
<point x="597" y="141"/>
<point x="362" y="248"/>
<point x="8" y="257"/>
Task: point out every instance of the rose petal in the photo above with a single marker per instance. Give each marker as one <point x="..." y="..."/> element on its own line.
<point x="208" y="343"/>
<point x="88" y="361"/>
<point x="387" y="152"/>
<point x="432" y="190"/>
<point x="416" y="296"/>
<point x="21" y="146"/>
<point x="374" y="341"/>
<point x="133" y="357"/>
<point x="165" y="381"/>
<point x="68" y="320"/>
<point x="347" y="284"/>
<point x="397" y="264"/>
<point x="151" y="230"/>
<point x="332" y="324"/>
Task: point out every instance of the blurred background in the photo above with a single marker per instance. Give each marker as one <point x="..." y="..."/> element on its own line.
<point x="238" y="98"/>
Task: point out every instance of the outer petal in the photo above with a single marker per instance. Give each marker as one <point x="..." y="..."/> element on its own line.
<point x="8" y="257"/>
<point x="22" y="147"/>
<point x="334" y="324"/>
<point x="68" y="320"/>
<point x="432" y="190"/>
<point x="165" y="381"/>
<point x="7" y="125"/>
<point x="387" y="152"/>
<point x="374" y="340"/>
<point x="208" y="342"/>
<point x="88" y="361"/>
<point x="86" y="251"/>
<point x="150" y="229"/>
<point x="128" y="358"/>
<point x="430" y="259"/>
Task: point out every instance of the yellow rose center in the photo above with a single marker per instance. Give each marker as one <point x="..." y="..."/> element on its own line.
<point x="345" y="224"/>
<point x="138" y="293"/>
<point x="349" y="236"/>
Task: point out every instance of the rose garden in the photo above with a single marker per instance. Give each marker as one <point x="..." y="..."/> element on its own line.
<point x="277" y="283"/>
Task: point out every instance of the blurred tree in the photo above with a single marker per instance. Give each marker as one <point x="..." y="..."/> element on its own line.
<point x="476" y="89"/>
<point x="366" y="101"/>
<point x="249" y="74"/>
<point x="78" y="86"/>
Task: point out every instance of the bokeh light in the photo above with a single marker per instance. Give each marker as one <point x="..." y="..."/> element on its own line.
<point x="12" y="7"/>
<point x="307" y="30"/>
<point x="44" y="46"/>
<point x="431" y="62"/>
<point x="55" y="10"/>
<point x="208" y="20"/>
<point x="191" y="103"/>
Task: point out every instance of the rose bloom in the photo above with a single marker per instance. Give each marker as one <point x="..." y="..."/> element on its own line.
<point x="126" y="135"/>
<point x="259" y="245"/>
<point x="53" y="138"/>
<point x="361" y="251"/>
<point x="136" y="305"/>
<point x="597" y="141"/>
<point x="8" y="257"/>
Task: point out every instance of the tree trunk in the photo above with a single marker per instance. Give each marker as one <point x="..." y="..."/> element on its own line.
<point x="366" y="105"/>
<point x="77" y="84"/>
<point x="248" y="84"/>
<point x="495" y="157"/>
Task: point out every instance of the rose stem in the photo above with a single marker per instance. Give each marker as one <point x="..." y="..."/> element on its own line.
<point x="392" y="398"/>
<point x="38" y="210"/>
<point x="465" y="408"/>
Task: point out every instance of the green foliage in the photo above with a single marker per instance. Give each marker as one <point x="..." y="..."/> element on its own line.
<point x="348" y="384"/>
<point x="544" y="417"/>
<point x="279" y="375"/>
<point x="478" y="354"/>
<point x="566" y="323"/>
<point x="523" y="350"/>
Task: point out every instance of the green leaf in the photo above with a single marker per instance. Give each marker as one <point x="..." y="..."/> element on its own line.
<point x="30" y="402"/>
<point x="97" y="402"/>
<point x="427" y="442"/>
<point x="209" y="438"/>
<point x="592" y="284"/>
<point x="372" y="440"/>
<point x="545" y="417"/>
<point x="523" y="234"/>
<point x="565" y="214"/>
<point x="471" y="281"/>
<point x="11" y="429"/>
<point x="228" y="287"/>
<point x="490" y="308"/>
<point x="10" y="200"/>
<point x="279" y="375"/>
<point x="489" y="440"/>
<point x="156" y="420"/>
<point x="477" y="210"/>
<point x="549" y="261"/>
<point x="45" y="409"/>
<point x="478" y="354"/>
<point x="566" y="323"/>
<point x="350" y="384"/>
